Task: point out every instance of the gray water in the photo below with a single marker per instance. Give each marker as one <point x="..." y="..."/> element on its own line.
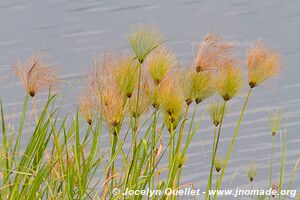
<point x="72" y="33"/>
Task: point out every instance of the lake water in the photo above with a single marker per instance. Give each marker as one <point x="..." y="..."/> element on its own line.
<point x="74" y="32"/>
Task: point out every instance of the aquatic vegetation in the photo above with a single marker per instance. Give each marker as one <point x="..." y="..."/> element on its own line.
<point x="145" y="94"/>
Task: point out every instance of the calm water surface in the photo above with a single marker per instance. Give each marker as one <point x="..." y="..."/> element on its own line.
<point x="74" y="32"/>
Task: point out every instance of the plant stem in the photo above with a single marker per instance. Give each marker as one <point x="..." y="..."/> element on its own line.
<point x="271" y="162"/>
<point x="283" y="158"/>
<point x="214" y="151"/>
<point x="113" y="150"/>
<point x="218" y="185"/>
<point x="34" y="110"/>
<point x="251" y="187"/>
<point x="154" y="147"/>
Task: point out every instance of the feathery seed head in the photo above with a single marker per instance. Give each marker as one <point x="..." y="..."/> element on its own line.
<point x="229" y="82"/>
<point x="186" y="82"/>
<point x="262" y="63"/>
<point x="211" y="53"/>
<point x="219" y="163"/>
<point x="203" y="85"/>
<point x="125" y="74"/>
<point x="252" y="170"/>
<point x="143" y="40"/>
<point x="182" y="160"/>
<point x="144" y="99"/>
<point x="108" y="93"/>
<point x="112" y="107"/>
<point x="215" y="111"/>
<point x="172" y="99"/>
<point x="275" y="120"/>
<point x="155" y="96"/>
<point x="86" y="105"/>
<point x="36" y="74"/>
<point x="159" y="62"/>
<point x="100" y="75"/>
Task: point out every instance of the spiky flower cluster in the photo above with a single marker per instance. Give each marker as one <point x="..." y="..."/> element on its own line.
<point x="203" y="85"/>
<point x="215" y="111"/>
<point x="86" y="106"/>
<point x="252" y="170"/>
<point x="187" y="84"/>
<point x="275" y="121"/>
<point x="125" y="74"/>
<point x="262" y="63"/>
<point x="144" y="99"/>
<point x="143" y="40"/>
<point x="212" y="52"/>
<point x="36" y="74"/>
<point x="172" y="100"/>
<point x="159" y="62"/>
<point x="229" y="82"/>
<point x="219" y="163"/>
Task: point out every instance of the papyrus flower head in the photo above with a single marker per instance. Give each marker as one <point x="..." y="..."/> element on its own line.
<point x="36" y="74"/>
<point x="262" y="63"/>
<point x="215" y="112"/>
<point x="172" y="99"/>
<point x="107" y="92"/>
<point x="252" y="170"/>
<point x="143" y="40"/>
<point x="125" y="74"/>
<point x="86" y="103"/>
<point x="159" y="62"/>
<point x="211" y="53"/>
<point x="229" y="82"/>
<point x="187" y="84"/>
<point x="203" y="85"/>
<point x="145" y="98"/>
<point x="275" y="121"/>
<point x="219" y="163"/>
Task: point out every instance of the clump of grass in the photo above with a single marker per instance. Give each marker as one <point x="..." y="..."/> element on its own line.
<point x="67" y="159"/>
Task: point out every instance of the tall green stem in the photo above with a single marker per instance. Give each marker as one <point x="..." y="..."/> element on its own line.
<point x="232" y="142"/>
<point x="214" y="151"/>
<point x="113" y="151"/>
<point x="271" y="162"/>
<point x="283" y="158"/>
